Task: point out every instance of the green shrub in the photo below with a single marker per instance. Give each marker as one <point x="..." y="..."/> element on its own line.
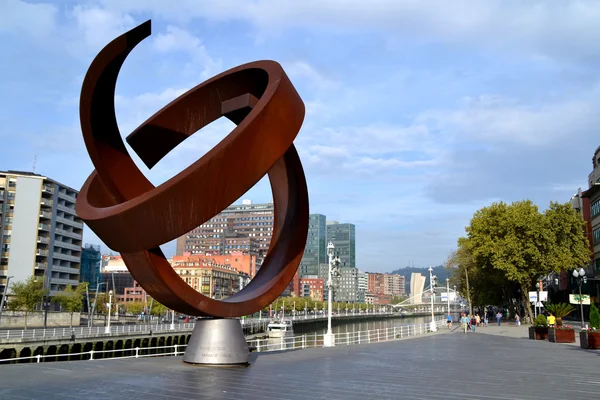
<point x="541" y="321"/>
<point x="594" y="317"/>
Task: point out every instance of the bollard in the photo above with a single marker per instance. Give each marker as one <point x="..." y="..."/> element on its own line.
<point x="175" y="349"/>
<point x="258" y="345"/>
<point x="303" y="341"/>
<point x="39" y="356"/>
<point x="91" y="354"/>
<point x="137" y="352"/>
<point x="378" y="335"/>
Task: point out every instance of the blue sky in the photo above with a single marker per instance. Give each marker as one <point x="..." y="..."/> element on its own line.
<point x="418" y="112"/>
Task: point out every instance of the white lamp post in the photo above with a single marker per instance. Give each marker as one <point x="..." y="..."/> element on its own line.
<point x="448" y="293"/>
<point x="107" y="328"/>
<point x="172" y="327"/>
<point x="432" y="326"/>
<point x="579" y="275"/>
<point x="329" y="338"/>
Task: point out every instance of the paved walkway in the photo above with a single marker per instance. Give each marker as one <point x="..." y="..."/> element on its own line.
<point x="440" y="366"/>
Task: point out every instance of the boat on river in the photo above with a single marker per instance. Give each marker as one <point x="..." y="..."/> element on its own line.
<point x="280" y="328"/>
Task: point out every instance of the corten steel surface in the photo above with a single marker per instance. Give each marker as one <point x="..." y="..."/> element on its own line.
<point x="134" y="217"/>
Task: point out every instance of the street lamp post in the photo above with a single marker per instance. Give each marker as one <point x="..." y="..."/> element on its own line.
<point x="107" y="328"/>
<point x="455" y="297"/>
<point x="432" y="326"/>
<point x="448" y="293"/>
<point x="579" y="275"/>
<point x="4" y="295"/>
<point x="329" y="338"/>
<point x="172" y="327"/>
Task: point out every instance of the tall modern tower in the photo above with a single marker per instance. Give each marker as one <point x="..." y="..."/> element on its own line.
<point x="343" y="238"/>
<point x="40" y="232"/>
<point x="315" y="252"/>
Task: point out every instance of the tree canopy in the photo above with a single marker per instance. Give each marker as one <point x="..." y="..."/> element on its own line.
<point x="27" y="295"/>
<point x="71" y="300"/>
<point x="509" y="246"/>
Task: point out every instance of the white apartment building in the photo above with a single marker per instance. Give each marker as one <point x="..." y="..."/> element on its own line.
<point x="40" y="234"/>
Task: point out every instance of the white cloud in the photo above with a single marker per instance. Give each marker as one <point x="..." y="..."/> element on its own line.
<point x="541" y="27"/>
<point x="498" y="120"/>
<point x="20" y="17"/>
<point x="303" y="70"/>
<point x="99" y="26"/>
<point x="180" y="40"/>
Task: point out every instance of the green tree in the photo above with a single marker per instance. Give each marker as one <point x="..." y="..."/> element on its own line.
<point x="135" y="307"/>
<point x="71" y="300"/>
<point x="524" y="244"/>
<point x="27" y="295"/>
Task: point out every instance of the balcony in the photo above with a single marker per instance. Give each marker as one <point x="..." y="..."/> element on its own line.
<point x="66" y="257"/>
<point x="66" y="245"/>
<point x="60" y="281"/>
<point x="67" y="270"/>
<point x="47" y="189"/>
<point x="70" y="210"/>
<point x="42" y="239"/>
<point x="44" y="227"/>
<point x="67" y="233"/>
<point x="70" y="222"/>
<point x="41" y="253"/>
<point x="47" y="202"/>
<point x="45" y="214"/>
<point x="4" y="254"/>
<point x="40" y="265"/>
<point x="66" y="197"/>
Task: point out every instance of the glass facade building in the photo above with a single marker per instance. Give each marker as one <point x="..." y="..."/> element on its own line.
<point x="90" y="266"/>
<point x="343" y="238"/>
<point x="315" y="252"/>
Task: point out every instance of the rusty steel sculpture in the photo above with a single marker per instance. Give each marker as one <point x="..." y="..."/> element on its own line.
<point x="134" y="217"/>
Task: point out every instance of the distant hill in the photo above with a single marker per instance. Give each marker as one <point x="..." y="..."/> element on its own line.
<point x="438" y="271"/>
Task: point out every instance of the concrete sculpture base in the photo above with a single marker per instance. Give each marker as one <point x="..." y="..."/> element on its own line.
<point x="217" y="342"/>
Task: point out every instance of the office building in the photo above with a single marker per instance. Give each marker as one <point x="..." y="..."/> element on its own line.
<point x="214" y="280"/>
<point x="417" y="284"/>
<point x="313" y="288"/>
<point x="376" y="282"/>
<point x="363" y="283"/>
<point x="343" y="238"/>
<point x="590" y="200"/>
<point x="394" y="285"/>
<point x="40" y="234"/>
<point x="90" y="266"/>
<point x="347" y="287"/>
<point x="242" y="227"/>
<point x="315" y="252"/>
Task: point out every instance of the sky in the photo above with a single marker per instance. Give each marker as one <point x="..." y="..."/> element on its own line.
<point x="418" y="113"/>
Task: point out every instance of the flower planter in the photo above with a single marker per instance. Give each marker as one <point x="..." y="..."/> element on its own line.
<point x="561" y="335"/>
<point x="538" y="333"/>
<point x="589" y="340"/>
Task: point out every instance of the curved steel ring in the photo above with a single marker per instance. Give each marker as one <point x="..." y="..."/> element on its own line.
<point x="134" y="217"/>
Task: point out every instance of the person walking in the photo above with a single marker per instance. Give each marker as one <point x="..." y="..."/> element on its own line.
<point x="464" y="321"/>
<point x="477" y="319"/>
<point x="499" y="317"/>
<point x="485" y="320"/>
<point x="517" y="320"/>
<point x="473" y="323"/>
<point x="449" y="320"/>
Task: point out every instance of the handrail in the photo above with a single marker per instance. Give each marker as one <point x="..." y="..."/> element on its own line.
<point x="263" y="345"/>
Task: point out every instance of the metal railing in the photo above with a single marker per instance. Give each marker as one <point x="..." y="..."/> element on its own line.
<point x="97" y="331"/>
<point x="115" y="330"/>
<point x="261" y="345"/>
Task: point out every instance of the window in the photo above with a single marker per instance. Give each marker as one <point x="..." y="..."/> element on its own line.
<point x="595" y="208"/>
<point x="596" y="235"/>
